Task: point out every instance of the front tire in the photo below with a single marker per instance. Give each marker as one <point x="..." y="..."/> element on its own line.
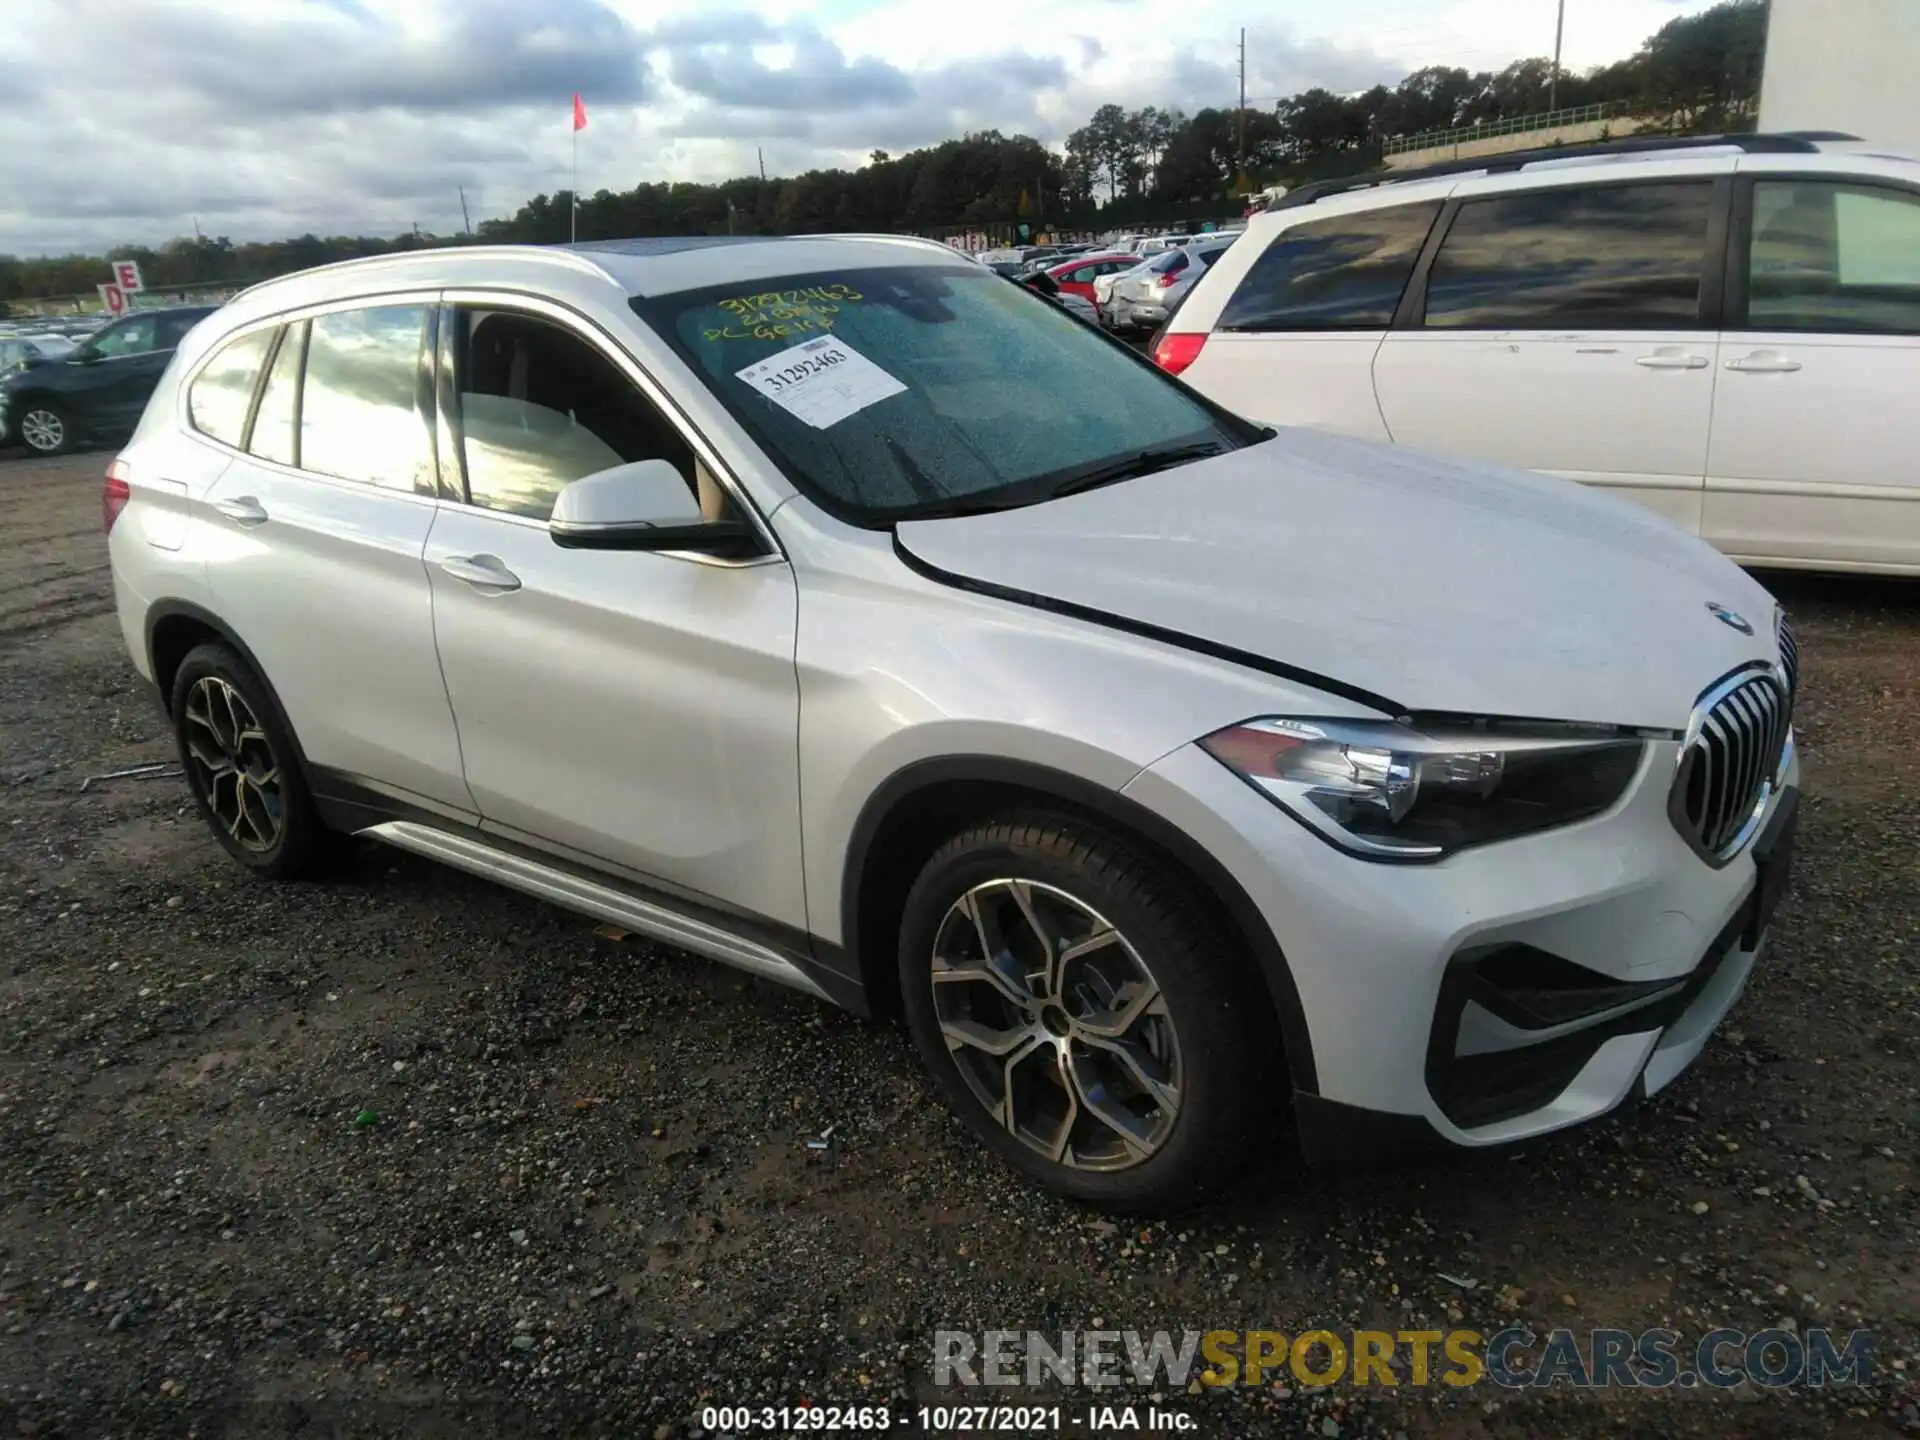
<point x="1084" y="1016"/>
<point x="45" y="430"/>
<point x="242" y="766"/>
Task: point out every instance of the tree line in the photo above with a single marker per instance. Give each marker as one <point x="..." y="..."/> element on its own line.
<point x="1696" y="73"/>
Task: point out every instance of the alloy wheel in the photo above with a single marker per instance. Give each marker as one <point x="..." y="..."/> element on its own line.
<point x="1056" y="1025"/>
<point x="233" y="764"/>
<point x="42" y="430"/>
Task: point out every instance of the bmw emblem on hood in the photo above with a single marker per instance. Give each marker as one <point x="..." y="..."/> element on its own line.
<point x="1729" y="617"/>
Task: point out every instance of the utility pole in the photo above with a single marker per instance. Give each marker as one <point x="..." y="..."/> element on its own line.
<point x="1240" y="117"/>
<point x="466" y="220"/>
<point x="762" y="154"/>
<point x="1553" y="85"/>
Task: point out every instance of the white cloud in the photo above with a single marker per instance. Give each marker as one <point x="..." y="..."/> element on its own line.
<point x="257" y="118"/>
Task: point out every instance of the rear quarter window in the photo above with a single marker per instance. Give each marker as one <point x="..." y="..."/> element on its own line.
<point x="1343" y="273"/>
<point x="220" y="394"/>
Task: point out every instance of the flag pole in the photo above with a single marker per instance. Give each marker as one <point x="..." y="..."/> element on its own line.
<point x="573" y="194"/>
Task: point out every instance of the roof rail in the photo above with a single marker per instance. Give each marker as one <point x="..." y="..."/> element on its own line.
<point x="1789" y="142"/>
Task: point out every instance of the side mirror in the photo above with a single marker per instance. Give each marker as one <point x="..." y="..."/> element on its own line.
<point x="645" y="505"/>
<point x="1043" y="282"/>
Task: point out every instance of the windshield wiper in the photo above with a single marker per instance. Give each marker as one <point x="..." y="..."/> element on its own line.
<point x="1128" y="467"/>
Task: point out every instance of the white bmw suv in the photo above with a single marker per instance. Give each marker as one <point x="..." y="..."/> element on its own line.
<point x="1724" y="329"/>
<point x="835" y="610"/>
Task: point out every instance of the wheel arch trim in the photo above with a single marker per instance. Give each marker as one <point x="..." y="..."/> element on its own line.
<point x="163" y="610"/>
<point x="885" y="804"/>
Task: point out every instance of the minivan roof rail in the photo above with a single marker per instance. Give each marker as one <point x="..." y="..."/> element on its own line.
<point x="1785" y="142"/>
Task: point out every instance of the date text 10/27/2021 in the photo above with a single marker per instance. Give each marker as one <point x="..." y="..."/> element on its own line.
<point x="1089" y="1420"/>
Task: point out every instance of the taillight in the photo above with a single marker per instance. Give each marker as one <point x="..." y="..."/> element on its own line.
<point x="1165" y="279"/>
<point x="1174" y="352"/>
<point x="114" y="494"/>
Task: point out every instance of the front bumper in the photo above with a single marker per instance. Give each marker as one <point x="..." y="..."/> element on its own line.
<point x="1505" y="992"/>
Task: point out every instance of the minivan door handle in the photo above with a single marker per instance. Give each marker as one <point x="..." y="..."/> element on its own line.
<point x="242" y="510"/>
<point x="483" y="572"/>
<point x="1764" y="362"/>
<point x="1671" y="359"/>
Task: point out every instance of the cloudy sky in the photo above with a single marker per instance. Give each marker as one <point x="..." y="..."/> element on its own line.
<point x="130" y="120"/>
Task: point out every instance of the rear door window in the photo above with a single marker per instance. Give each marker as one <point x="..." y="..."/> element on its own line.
<point x="1342" y="273"/>
<point x="174" y="328"/>
<point x="1617" y="257"/>
<point x="367" y="396"/>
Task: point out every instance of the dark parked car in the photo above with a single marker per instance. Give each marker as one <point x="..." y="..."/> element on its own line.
<point x="98" y="391"/>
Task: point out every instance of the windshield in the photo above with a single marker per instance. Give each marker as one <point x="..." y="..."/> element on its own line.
<point x="904" y="392"/>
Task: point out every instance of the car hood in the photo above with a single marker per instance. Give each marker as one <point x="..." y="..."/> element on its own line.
<point x="1429" y="584"/>
<point x="29" y="363"/>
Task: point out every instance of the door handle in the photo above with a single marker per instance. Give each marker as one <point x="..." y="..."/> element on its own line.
<point x="242" y="510"/>
<point x="483" y="572"/>
<point x="1764" y="362"/>
<point x="1670" y="360"/>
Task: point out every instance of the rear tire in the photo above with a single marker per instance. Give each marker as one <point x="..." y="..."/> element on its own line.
<point x="243" y="768"/>
<point x="1119" y="1061"/>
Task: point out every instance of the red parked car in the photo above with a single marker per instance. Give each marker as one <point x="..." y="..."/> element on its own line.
<point x="1076" y="275"/>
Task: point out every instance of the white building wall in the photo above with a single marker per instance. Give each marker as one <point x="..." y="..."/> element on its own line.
<point x="1847" y="65"/>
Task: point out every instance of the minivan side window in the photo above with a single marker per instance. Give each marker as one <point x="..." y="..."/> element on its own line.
<point x="1344" y="273"/>
<point x="1617" y="257"/>
<point x="540" y="408"/>
<point x="1832" y="257"/>
<point x="366" y="397"/>
<point x="218" y="398"/>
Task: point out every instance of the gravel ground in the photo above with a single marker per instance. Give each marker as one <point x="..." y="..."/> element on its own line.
<point x="583" y="1202"/>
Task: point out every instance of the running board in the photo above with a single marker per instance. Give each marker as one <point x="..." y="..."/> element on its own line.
<point x="590" y="897"/>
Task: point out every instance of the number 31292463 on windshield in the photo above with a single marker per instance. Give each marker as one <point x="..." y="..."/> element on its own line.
<point x="801" y="369"/>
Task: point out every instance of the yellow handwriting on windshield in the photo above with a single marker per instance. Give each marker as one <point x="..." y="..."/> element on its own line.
<point x="781" y="314"/>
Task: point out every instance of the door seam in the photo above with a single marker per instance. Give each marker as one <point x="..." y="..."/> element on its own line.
<point x="433" y="624"/>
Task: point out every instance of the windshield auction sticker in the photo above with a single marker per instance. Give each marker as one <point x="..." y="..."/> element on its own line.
<point x="821" y="381"/>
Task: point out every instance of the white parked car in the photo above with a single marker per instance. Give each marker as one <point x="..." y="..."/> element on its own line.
<point x="15" y="349"/>
<point x="1103" y="284"/>
<point x="1726" y="331"/>
<point x="833" y="609"/>
<point x="1143" y="298"/>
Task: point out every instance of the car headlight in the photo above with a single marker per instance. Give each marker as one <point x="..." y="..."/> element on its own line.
<point x="1388" y="791"/>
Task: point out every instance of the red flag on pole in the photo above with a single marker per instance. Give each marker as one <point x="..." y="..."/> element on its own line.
<point x="579" y="112"/>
